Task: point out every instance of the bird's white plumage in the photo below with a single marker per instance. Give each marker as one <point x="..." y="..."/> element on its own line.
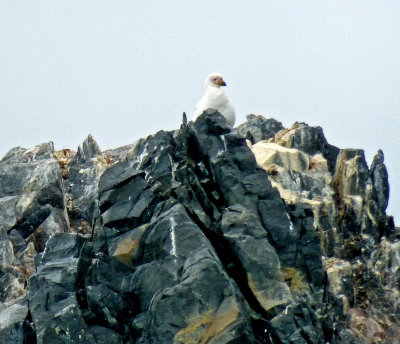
<point x="216" y="98"/>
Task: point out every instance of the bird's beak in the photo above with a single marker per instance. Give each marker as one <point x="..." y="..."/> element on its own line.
<point x="221" y="82"/>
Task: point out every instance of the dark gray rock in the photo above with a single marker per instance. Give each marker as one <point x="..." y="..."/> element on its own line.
<point x="308" y="247"/>
<point x="197" y="300"/>
<point x="15" y="152"/>
<point x="116" y="176"/>
<point x="55" y="309"/>
<point x="258" y="128"/>
<point x="123" y="206"/>
<point x="31" y="210"/>
<point x="118" y="154"/>
<point x="42" y="151"/>
<point x="104" y="335"/>
<point x="257" y="261"/>
<point x="380" y="182"/>
<point x="13" y="324"/>
<point x="81" y="185"/>
<point x="87" y="150"/>
<point x="186" y="239"/>
<point x="296" y="322"/>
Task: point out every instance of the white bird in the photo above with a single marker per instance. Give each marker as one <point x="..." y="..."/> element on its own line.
<point x="215" y="98"/>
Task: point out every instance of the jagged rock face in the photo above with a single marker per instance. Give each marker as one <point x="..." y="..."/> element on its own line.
<point x="81" y="185"/>
<point x="31" y="210"/>
<point x="193" y="237"/>
<point x="310" y="140"/>
<point x="257" y="128"/>
<point x="358" y="239"/>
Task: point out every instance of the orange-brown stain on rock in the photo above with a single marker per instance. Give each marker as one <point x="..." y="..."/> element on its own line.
<point x="203" y="328"/>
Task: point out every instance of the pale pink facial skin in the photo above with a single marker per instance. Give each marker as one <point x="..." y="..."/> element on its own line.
<point x="216" y="80"/>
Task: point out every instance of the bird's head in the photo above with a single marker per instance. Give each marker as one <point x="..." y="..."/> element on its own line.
<point x="215" y="80"/>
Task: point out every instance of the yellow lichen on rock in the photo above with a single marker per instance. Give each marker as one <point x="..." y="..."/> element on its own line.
<point x="204" y="328"/>
<point x="125" y="250"/>
<point x="271" y="294"/>
<point x="295" y="280"/>
<point x="195" y="331"/>
<point x="126" y="247"/>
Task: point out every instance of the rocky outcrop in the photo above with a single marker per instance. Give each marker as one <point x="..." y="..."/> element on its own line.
<point x="358" y="240"/>
<point x="84" y="171"/>
<point x="32" y="209"/>
<point x="199" y="235"/>
<point x="257" y="128"/>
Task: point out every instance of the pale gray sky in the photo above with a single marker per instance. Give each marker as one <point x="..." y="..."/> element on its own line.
<point x="121" y="70"/>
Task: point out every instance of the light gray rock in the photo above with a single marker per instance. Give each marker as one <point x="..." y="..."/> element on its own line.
<point x="12" y="320"/>
<point x="268" y="153"/>
<point x="81" y="186"/>
<point x="258" y="128"/>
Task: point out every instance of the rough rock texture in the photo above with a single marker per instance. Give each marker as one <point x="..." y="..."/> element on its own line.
<point x="257" y="128"/>
<point x="199" y="236"/>
<point x="84" y="171"/>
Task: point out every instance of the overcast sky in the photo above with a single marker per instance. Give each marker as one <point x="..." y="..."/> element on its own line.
<point x="121" y="70"/>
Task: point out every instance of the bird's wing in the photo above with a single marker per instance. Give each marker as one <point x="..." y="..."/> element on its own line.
<point x="214" y="98"/>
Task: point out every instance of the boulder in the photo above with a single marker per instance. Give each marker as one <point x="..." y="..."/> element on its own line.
<point x="268" y="153"/>
<point x="310" y="140"/>
<point x="258" y="128"/>
<point x="13" y="324"/>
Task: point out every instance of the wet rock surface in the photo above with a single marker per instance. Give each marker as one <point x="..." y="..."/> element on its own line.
<point x="198" y="236"/>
